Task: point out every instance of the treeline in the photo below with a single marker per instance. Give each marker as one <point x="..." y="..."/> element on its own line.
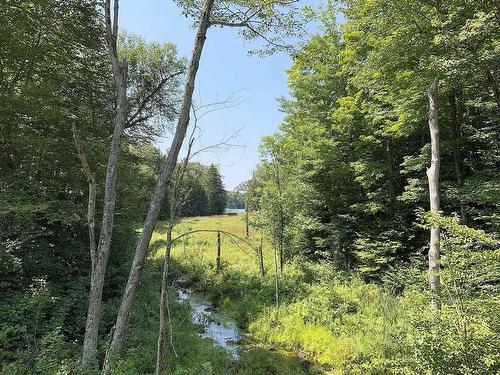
<point x="201" y="193"/>
<point x="345" y="176"/>
<point x="235" y="199"/>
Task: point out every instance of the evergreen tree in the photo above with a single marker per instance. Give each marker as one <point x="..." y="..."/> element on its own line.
<point x="216" y="194"/>
<point x="194" y="197"/>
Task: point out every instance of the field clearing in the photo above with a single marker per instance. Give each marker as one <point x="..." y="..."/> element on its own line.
<point x="201" y="247"/>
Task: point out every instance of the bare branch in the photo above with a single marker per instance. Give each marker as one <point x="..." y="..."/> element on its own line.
<point x="92" y="195"/>
<point x="130" y="121"/>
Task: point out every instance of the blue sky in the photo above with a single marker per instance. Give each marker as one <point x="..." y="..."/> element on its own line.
<point x="225" y="70"/>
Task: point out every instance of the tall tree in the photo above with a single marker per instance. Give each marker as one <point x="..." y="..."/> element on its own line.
<point x="216" y="193"/>
<point x="433" y="176"/>
<point x="120" y="71"/>
<point x="167" y="168"/>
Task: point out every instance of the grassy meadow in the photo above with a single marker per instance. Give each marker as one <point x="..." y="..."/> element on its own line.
<point x="195" y="257"/>
<point x="328" y="322"/>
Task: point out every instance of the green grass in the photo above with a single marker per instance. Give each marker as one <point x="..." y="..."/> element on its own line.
<point x="195" y="355"/>
<point x="335" y="321"/>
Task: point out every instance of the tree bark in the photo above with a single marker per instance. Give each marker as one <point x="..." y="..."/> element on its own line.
<point x="159" y="193"/>
<point x="494" y="86"/>
<point x="175" y="205"/>
<point x="163" y="297"/>
<point x="433" y="177"/>
<point x="217" y="267"/>
<point x="103" y="248"/>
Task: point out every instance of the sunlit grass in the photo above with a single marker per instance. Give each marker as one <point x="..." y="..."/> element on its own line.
<point x="235" y="253"/>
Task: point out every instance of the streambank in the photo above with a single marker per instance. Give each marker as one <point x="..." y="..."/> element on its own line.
<point x="225" y="333"/>
<point x="216" y="325"/>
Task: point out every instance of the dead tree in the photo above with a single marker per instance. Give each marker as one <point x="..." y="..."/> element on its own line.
<point x="120" y="70"/>
<point x="176" y="202"/>
<point x="160" y="189"/>
<point x="92" y="195"/>
<point x="433" y="177"/>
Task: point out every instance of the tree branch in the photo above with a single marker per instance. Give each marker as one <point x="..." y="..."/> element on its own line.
<point x="130" y="122"/>
<point x="92" y="195"/>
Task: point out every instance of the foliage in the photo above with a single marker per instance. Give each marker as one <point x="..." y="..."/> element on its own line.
<point x="216" y="193"/>
<point x="353" y="146"/>
<point x="235" y="200"/>
<point x="201" y="192"/>
<point x="55" y="73"/>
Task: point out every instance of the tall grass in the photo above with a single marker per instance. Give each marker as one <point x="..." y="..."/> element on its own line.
<point x="334" y="319"/>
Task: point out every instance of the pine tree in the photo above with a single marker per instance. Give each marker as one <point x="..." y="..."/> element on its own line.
<point x="215" y="191"/>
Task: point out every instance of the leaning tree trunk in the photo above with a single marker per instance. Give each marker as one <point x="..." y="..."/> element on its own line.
<point x="103" y="249"/>
<point x="159" y="193"/>
<point x="92" y="195"/>
<point x="433" y="176"/>
<point x="101" y="259"/>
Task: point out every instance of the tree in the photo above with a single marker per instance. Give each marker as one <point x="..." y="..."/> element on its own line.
<point x="215" y="191"/>
<point x="433" y="176"/>
<point x="164" y="178"/>
<point x="146" y="102"/>
<point x="46" y="217"/>
<point x="353" y="142"/>
<point x="235" y="199"/>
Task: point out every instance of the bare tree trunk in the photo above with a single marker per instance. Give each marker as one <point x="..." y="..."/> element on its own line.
<point x="261" y="258"/>
<point x="433" y="176"/>
<point x="175" y="205"/>
<point x="276" y="278"/>
<point x="103" y="248"/>
<point x="217" y="267"/>
<point x="281" y="246"/>
<point x="494" y="86"/>
<point x="163" y="298"/>
<point x="164" y="179"/>
<point x="247" y="232"/>
<point x="91" y="198"/>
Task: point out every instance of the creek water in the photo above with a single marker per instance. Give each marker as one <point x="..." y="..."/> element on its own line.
<point x="217" y="325"/>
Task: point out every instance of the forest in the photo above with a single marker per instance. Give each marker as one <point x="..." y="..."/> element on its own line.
<point x="369" y="241"/>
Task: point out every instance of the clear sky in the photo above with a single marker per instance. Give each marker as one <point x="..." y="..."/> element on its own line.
<point x="225" y="70"/>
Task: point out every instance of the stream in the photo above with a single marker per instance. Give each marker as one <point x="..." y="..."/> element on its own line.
<point x="217" y="325"/>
